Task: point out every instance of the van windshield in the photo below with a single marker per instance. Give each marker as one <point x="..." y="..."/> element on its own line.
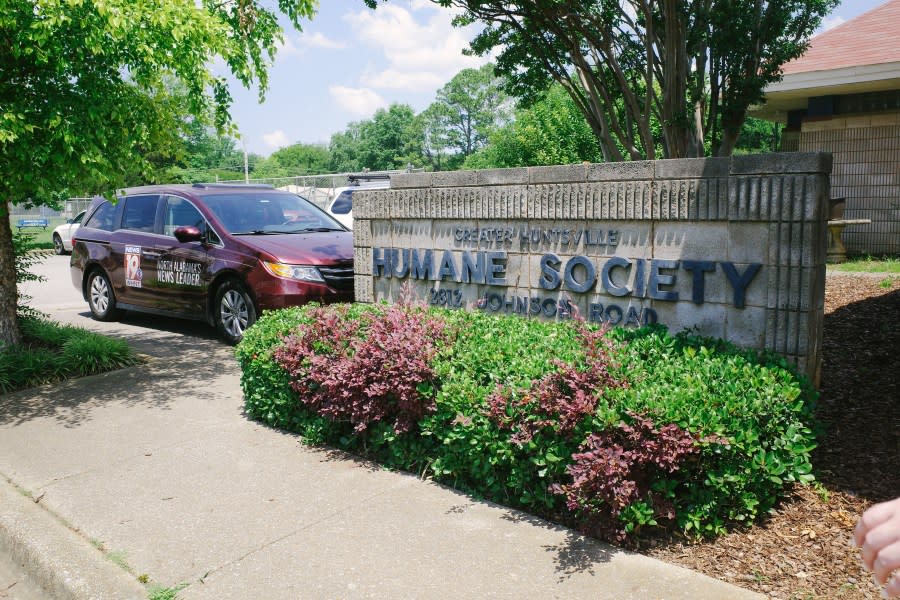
<point x="268" y="213"/>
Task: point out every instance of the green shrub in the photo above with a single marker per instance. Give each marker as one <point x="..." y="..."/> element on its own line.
<point x="267" y="388"/>
<point x="619" y="433"/>
<point x="90" y="354"/>
<point x="52" y="352"/>
<point x="755" y="401"/>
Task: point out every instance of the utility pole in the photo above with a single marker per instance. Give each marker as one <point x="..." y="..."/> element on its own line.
<point x="246" y="169"/>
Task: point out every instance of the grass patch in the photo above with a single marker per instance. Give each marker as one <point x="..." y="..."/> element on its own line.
<point x="165" y="593"/>
<point x="39" y="238"/>
<point x="120" y="559"/>
<point x="869" y="264"/>
<point x="52" y="352"/>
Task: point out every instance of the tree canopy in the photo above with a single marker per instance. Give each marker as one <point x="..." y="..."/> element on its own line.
<point x="296" y="159"/>
<point x="82" y="94"/>
<point x="465" y="112"/>
<point x="694" y="66"/>
<point x="551" y="131"/>
<point x="391" y="139"/>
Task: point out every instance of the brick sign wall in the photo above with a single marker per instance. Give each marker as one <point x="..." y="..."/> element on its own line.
<point x="728" y="247"/>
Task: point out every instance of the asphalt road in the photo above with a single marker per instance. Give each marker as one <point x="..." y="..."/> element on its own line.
<point x="57" y="291"/>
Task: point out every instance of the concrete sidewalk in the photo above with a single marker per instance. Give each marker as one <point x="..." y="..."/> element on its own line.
<point x="157" y="466"/>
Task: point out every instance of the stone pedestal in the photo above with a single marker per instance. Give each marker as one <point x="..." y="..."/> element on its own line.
<point x="837" y="252"/>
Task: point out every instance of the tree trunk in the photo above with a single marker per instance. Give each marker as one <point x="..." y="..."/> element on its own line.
<point x="729" y="141"/>
<point x="9" y="296"/>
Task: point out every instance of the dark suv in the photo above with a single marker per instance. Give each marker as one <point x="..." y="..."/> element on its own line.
<point x="213" y="252"/>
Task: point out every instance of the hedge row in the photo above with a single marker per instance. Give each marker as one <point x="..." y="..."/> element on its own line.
<point x="618" y="432"/>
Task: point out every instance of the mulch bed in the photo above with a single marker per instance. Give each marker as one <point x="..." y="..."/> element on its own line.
<point x="803" y="550"/>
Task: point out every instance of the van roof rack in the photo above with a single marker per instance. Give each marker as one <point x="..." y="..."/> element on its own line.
<point x="265" y="186"/>
<point x="358" y="178"/>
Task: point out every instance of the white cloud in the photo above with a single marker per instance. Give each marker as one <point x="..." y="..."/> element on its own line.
<point x="832" y="22"/>
<point x="421" y="56"/>
<point x="361" y="102"/>
<point x="319" y="40"/>
<point x="403" y="80"/>
<point x="275" y="139"/>
<point x="287" y="48"/>
<point x="297" y="46"/>
<point x="420" y="4"/>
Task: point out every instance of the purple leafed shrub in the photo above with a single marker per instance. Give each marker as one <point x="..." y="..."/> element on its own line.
<point x="615" y="468"/>
<point x="365" y="369"/>
<point x="560" y="399"/>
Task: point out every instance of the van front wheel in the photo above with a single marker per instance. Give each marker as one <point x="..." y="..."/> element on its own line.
<point x="234" y="311"/>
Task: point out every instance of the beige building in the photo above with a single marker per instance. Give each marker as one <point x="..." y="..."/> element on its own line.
<point x="843" y="96"/>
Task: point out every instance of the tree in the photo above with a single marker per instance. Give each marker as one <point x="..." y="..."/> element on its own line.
<point x="344" y="149"/>
<point x="758" y="135"/>
<point x="435" y="140"/>
<point x="391" y="139"/>
<point x="552" y="131"/>
<point x="693" y="65"/>
<point x="78" y="82"/>
<point x="466" y="110"/>
<point x="204" y="148"/>
<point x="206" y="155"/>
<point x="297" y="159"/>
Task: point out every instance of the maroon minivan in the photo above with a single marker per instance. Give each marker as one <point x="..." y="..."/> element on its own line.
<point x="214" y="252"/>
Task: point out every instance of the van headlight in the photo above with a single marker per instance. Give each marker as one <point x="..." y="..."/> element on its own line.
<point x="297" y="272"/>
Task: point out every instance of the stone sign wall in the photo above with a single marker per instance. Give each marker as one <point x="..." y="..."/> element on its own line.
<point x="727" y="247"/>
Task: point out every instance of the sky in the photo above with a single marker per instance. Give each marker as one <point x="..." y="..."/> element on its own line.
<point x="349" y="61"/>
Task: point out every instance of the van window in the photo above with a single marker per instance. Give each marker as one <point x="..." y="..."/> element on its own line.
<point x="343" y="204"/>
<point x="267" y="212"/>
<point x="140" y="213"/>
<point x="102" y="217"/>
<point x="181" y="213"/>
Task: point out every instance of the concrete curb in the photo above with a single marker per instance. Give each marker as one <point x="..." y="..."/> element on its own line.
<point x="56" y="558"/>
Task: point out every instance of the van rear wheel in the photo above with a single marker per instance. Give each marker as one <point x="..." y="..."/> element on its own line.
<point x="101" y="299"/>
<point x="234" y="311"/>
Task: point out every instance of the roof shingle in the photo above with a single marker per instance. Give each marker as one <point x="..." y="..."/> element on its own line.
<point x="869" y="39"/>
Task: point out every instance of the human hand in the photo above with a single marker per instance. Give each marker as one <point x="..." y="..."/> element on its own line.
<point x="877" y="534"/>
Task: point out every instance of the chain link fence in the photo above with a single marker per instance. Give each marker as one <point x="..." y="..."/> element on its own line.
<point x="70" y="209"/>
<point x="319" y="189"/>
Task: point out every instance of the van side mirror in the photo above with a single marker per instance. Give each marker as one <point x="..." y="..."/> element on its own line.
<point x="188" y="233"/>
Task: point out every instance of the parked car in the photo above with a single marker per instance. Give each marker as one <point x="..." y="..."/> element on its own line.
<point x="213" y="252"/>
<point x="62" y="235"/>
<point x="341" y="206"/>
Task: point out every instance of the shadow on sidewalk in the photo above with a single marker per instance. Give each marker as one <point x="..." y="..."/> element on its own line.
<point x="178" y="366"/>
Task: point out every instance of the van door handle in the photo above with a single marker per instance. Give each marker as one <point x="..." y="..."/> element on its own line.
<point x="153" y="254"/>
